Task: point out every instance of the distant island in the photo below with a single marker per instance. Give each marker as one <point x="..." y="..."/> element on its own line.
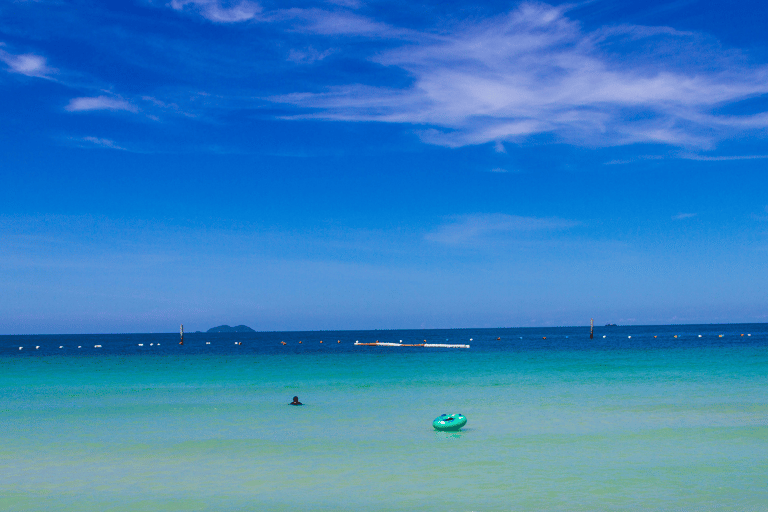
<point x="226" y="328"/>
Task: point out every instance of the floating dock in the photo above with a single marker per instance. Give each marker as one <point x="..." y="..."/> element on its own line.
<point x="428" y="345"/>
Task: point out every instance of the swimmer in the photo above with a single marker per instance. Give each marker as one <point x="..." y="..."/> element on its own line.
<point x="295" y="401"/>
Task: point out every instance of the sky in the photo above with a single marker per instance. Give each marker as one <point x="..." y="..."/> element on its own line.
<point x="347" y="164"/>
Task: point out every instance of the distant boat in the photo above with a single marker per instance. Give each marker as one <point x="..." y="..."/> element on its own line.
<point x="611" y="325"/>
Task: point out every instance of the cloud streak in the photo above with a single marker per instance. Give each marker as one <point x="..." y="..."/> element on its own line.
<point x="477" y="227"/>
<point x="535" y="71"/>
<point x="220" y="12"/>
<point x="97" y="142"/>
<point x="333" y="21"/>
<point x="99" y="103"/>
<point x="27" y="64"/>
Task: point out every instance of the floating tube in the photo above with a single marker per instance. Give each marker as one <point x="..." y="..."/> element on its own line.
<point x="449" y="422"/>
<point x="428" y="345"/>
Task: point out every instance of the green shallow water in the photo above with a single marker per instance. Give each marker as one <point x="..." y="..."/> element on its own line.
<point x="578" y="430"/>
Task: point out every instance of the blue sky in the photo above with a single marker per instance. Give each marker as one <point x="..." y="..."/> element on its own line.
<point x="352" y="165"/>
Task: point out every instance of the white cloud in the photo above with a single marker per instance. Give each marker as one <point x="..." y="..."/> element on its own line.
<point x="338" y="20"/>
<point x="308" y="55"/>
<point x="681" y="216"/>
<point x="98" y="142"/>
<point x="472" y="228"/>
<point x="320" y="21"/>
<point x="536" y="71"/>
<point x="722" y="158"/>
<point x="352" y="4"/>
<point x="219" y="11"/>
<point x="99" y="103"/>
<point x="27" y="64"/>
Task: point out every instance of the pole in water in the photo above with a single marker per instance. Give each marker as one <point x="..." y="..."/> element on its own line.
<point x="181" y="331"/>
<point x="591" y="328"/>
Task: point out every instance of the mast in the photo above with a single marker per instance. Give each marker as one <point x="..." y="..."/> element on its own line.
<point x="181" y="331"/>
<point x="591" y="328"/>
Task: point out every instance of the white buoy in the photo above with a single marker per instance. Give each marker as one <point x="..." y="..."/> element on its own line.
<point x="21" y="348"/>
<point x="699" y="335"/>
<point x="470" y="339"/>
<point x="749" y="335"/>
<point x="603" y="335"/>
<point x="151" y="344"/>
<point x="62" y="346"/>
<point x="158" y="344"/>
<point x="629" y="336"/>
<point x="141" y="344"/>
<point x="79" y="346"/>
<point x="37" y="347"/>
<point x="207" y="342"/>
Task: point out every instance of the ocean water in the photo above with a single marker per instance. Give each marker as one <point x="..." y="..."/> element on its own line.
<point x="562" y="423"/>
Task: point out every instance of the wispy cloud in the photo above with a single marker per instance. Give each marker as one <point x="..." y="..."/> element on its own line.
<point x="723" y="158"/>
<point x="352" y="4"/>
<point x="472" y="228"/>
<point x="27" y="64"/>
<point x="335" y="19"/>
<point x="308" y="55"/>
<point x="681" y="216"/>
<point x="99" y="103"/>
<point x="536" y="71"/>
<point x="339" y="22"/>
<point x="220" y="11"/>
<point x="634" y="159"/>
<point x="97" y="142"/>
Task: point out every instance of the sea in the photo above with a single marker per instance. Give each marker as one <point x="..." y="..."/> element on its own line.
<point x="668" y="417"/>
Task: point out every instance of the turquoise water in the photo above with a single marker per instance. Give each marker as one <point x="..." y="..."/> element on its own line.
<point x="664" y="425"/>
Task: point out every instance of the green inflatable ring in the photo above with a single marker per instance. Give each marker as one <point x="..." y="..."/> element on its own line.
<point x="449" y="422"/>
